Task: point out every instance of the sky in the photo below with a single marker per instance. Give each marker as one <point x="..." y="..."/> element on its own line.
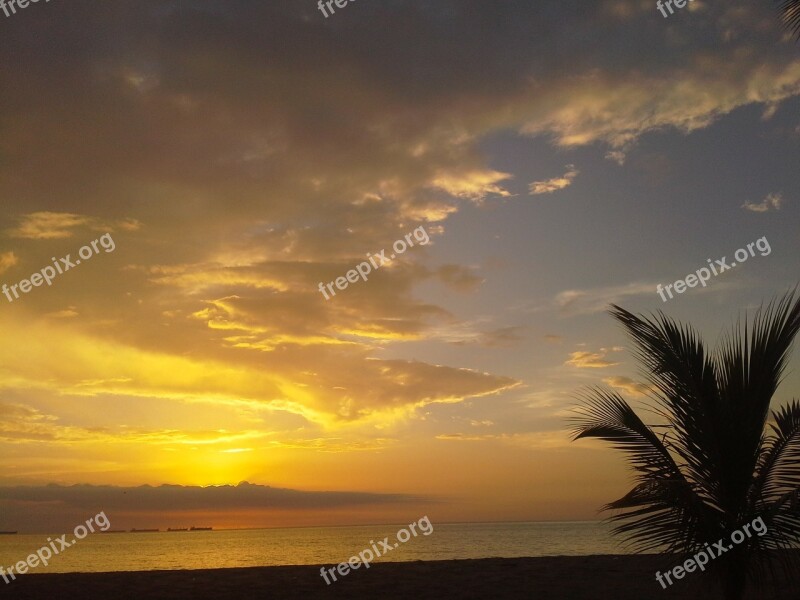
<point x="229" y="160"/>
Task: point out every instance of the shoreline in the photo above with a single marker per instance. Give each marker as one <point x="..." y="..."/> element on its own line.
<point x="596" y="577"/>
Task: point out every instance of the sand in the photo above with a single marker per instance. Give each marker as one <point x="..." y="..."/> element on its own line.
<point x="550" y="578"/>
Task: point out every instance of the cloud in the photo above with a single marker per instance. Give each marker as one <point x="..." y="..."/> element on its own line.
<point x="592" y="360"/>
<point x="553" y="339"/>
<point x="540" y="440"/>
<point x="628" y="385"/>
<point x="59" y="225"/>
<point x="618" y="108"/>
<point x="502" y="337"/>
<point x="626" y="9"/>
<point x="462" y="279"/>
<point x="618" y="156"/>
<point x="47" y="225"/>
<point x="599" y="299"/>
<point x="26" y="424"/>
<point x="7" y="260"/>
<point x="770" y="202"/>
<point x="56" y="507"/>
<point x="177" y="497"/>
<point x="558" y="183"/>
<point x="505" y="336"/>
<point x="346" y="387"/>
<point x="472" y="185"/>
<point x="65" y="313"/>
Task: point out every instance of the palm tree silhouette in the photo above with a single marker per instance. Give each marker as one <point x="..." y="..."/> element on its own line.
<point x="715" y="466"/>
<point x="790" y="10"/>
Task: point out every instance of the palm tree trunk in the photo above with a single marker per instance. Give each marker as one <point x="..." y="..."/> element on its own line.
<point x="734" y="578"/>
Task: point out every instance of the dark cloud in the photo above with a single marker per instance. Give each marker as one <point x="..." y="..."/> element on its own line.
<point x="55" y="507"/>
<point x="179" y="497"/>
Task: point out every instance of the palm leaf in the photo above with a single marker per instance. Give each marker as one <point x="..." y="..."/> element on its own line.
<point x="790" y="12"/>
<point x="663" y="496"/>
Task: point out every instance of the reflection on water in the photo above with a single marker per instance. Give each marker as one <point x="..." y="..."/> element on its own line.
<point x="316" y="545"/>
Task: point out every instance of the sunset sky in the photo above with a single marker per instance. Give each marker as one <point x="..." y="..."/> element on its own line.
<point x="561" y="155"/>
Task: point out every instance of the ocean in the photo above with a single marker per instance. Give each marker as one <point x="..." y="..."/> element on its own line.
<point x="310" y="545"/>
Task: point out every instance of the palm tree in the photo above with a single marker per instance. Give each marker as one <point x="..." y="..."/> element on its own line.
<point x="712" y="466"/>
<point x="790" y="10"/>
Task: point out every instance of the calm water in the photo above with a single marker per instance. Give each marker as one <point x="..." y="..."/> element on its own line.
<point x="322" y="545"/>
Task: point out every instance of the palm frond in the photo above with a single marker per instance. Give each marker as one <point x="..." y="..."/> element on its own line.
<point x="750" y="365"/>
<point x="676" y="364"/>
<point x="790" y="13"/>
<point x="776" y="487"/>
<point x="778" y="471"/>
<point x="605" y="415"/>
<point x="663" y="509"/>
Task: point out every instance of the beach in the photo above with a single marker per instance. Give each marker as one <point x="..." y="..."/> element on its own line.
<point x="550" y="578"/>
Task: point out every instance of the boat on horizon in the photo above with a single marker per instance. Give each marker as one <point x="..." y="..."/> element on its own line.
<point x="177" y="529"/>
<point x="145" y="530"/>
<point x="8" y="533"/>
<point x="201" y="529"/>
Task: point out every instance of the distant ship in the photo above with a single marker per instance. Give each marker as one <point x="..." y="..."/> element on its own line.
<point x="8" y="533"/>
<point x="200" y="528"/>
<point x="144" y="530"/>
<point x="171" y="529"/>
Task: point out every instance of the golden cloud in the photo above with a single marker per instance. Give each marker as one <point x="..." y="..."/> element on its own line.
<point x="7" y="260"/>
<point x="592" y="360"/>
<point x="549" y="186"/>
